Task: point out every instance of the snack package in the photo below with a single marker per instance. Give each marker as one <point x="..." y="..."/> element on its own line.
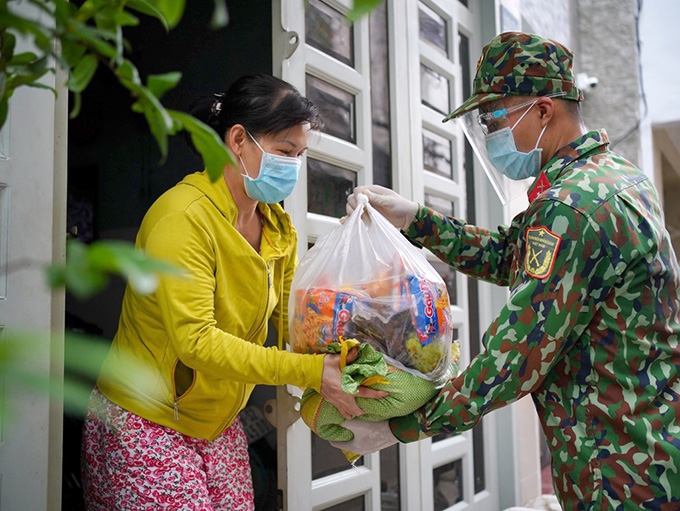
<point x="364" y="280"/>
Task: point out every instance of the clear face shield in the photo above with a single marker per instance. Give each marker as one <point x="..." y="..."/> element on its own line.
<point x="478" y="125"/>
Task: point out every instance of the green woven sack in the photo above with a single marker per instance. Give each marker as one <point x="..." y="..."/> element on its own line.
<point x="407" y="393"/>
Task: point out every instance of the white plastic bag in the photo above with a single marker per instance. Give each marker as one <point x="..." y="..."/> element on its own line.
<point x="363" y="280"/>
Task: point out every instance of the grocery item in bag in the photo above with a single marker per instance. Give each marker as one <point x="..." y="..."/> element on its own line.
<point x="363" y="280"/>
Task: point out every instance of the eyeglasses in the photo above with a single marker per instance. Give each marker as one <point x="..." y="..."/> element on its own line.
<point x="498" y="119"/>
<point x="493" y="121"/>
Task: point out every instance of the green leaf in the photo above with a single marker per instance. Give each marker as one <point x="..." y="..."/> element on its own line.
<point x="8" y="44"/>
<point x="4" y="107"/>
<point x="150" y="9"/>
<point x="220" y="17"/>
<point x="172" y="10"/>
<point x="125" y="19"/>
<point x="104" y="19"/>
<point x="77" y="275"/>
<point x="160" y="84"/>
<point x="361" y="8"/>
<point x="63" y="12"/>
<point x="95" y="38"/>
<point x="157" y="117"/>
<point x="42" y="37"/>
<point x="25" y="69"/>
<point x="37" y="85"/>
<point x="87" y="10"/>
<point x="127" y="71"/>
<point x="82" y="74"/>
<point x="77" y="104"/>
<point x="22" y="59"/>
<point x="3" y="84"/>
<point x="83" y="359"/>
<point x="72" y="51"/>
<point x="23" y="79"/>
<point x="84" y="354"/>
<point x="168" y="12"/>
<point x="123" y="258"/>
<point x="215" y="154"/>
<point x="88" y="266"/>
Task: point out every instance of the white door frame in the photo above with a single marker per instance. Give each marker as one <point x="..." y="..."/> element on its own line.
<point x="292" y="59"/>
<point x="33" y="221"/>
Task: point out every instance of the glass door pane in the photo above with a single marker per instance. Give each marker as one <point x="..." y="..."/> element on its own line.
<point x="447" y="483"/>
<point x="329" y="31"/>
<point x="337" y="107"/>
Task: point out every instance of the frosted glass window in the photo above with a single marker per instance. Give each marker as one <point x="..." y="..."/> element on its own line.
<point x="335" y="105"/>
<point x="329" y="31"/>
<point x="439" y="204"/>
<point x="327" y="460"/>
<point x="356" y="504"/>
<point x="432" y="29"/>
<point x="437" y="154"/>
<point x="447" y="484"/>
<point x="328" y="187"/>
<point x="380" y="97"/>
<point x="434" y="89"/>
<point x="389" y="479"/>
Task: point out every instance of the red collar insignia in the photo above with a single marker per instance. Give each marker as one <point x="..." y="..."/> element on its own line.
<point x="540" y="186"/>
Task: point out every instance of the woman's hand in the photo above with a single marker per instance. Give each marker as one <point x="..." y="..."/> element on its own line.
<point x="331" y="389"/>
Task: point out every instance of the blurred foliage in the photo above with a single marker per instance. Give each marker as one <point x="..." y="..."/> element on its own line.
<point x="81" y="37"/>
<point x="24" y="352"/>
<point x="88" y="266"/>
<point x="361" y="8"/>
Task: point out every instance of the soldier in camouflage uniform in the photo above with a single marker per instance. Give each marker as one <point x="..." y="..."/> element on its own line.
<point x="592" y="327"/>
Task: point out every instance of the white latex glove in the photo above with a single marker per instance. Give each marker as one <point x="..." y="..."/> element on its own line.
<point x="369" y="437"/>
<point x="398" y="210"/>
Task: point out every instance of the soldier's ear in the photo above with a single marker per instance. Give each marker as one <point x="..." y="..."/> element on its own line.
<point x="546" y="109"/>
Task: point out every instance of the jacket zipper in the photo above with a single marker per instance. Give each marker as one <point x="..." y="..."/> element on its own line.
<point x="266" y="306"/>
<point x="270" y="284"/>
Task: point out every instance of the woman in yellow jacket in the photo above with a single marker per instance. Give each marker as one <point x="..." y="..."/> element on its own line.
<point x="168" y="436"/>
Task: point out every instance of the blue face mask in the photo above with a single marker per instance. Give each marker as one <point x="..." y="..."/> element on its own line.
<point x="503" y="153"/>
<point x="276" y="180"/>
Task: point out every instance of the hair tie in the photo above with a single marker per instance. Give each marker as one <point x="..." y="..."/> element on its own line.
<point x="216" y="107"/>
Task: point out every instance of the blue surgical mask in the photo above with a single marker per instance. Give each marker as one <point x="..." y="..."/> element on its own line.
<point x="276" y="180"/>
<point x="503" y="153"/>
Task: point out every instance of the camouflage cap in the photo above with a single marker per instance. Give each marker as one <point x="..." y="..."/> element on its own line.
<point x="521" y="64"/>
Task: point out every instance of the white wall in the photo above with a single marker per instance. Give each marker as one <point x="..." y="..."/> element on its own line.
<point x="660" y="132"/>
<point x="660" y="71"/>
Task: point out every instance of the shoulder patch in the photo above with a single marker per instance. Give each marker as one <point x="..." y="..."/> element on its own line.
<point x="541" y="251"/>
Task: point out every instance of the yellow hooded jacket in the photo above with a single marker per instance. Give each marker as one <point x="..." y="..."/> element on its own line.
<point x="188" y="355"/>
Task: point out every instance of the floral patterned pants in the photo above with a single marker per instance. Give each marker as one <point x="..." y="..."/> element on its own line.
<point x="131" y="464"/>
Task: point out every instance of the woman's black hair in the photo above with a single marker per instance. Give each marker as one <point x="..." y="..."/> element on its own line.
<point x="262" y="103"/>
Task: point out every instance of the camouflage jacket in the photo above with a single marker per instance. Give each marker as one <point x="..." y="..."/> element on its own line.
<point x="590" y="330"/>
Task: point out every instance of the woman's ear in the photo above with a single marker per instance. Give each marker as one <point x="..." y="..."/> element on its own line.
<point x="236" y="138"/>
